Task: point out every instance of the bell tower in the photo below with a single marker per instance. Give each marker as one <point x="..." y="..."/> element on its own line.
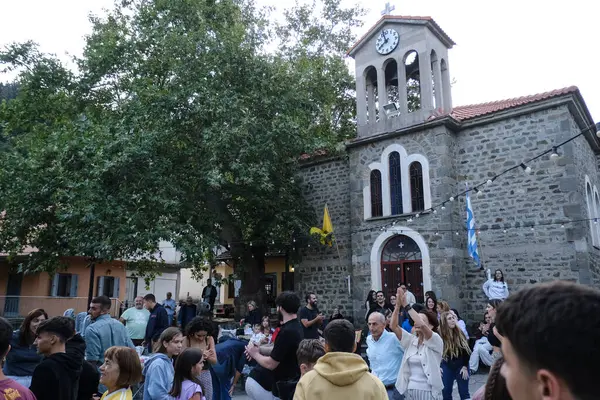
<point x="402" y="76"/>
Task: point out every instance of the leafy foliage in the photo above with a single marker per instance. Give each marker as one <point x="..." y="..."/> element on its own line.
<point x="180" y="125"/>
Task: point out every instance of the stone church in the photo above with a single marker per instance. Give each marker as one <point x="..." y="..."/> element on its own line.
<point x="391" y="195"/>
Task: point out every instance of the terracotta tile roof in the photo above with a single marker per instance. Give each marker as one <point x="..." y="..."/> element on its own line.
<point x="436" y="29"/>
<point x="314" y="154"/>
<point x="463" y="113"/>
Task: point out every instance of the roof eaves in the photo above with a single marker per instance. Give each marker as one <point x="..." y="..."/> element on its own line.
<point x="427" y="21"/>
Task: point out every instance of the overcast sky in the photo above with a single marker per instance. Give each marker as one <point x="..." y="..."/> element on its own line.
<point x="504" y="48"/>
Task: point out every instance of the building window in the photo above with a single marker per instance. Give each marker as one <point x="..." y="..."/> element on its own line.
<point x="376" y="199"/>
<point x="64" y="285"/>
<point x="416" y="187"/>
<point x="108" y="286"/>
<point x="395" y="183"/>
<point x="398" y="184"/>
<point x="590" y="209"/>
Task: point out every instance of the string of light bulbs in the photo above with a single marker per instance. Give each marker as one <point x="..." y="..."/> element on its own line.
<point x="477" y="189"/>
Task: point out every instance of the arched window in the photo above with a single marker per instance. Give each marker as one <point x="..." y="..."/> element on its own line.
<point x="395" y="183"/>
<point x="417" y="196"/>
<point x="376" y="199"/>
<point x="597" y="215"/>
<point x="591" y="213"/>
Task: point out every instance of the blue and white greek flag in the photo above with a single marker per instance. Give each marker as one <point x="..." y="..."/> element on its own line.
<point x="471" y="235"/>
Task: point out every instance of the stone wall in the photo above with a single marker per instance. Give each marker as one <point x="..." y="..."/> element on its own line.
<point x="580" y="155"/>
<point x="446" y="250"/>
<point x="323" y="270"/>
<point x="552" y="193"/>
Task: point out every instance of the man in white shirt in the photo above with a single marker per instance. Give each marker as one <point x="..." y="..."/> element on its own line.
<point x="409" y="296"/>
<point x="385" y="354"/>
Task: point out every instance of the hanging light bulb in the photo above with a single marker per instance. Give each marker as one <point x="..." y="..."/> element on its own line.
<point x="526" y="168"/>
<point x="490" y="181"/>
<point x="417" y="215"/>
<point x="436" y="233"/>
<point x="456" y="233"/>
<point x="443" y="207"/>
<point x="433" y="210"/>
<point x="294" y="240"/>
<point x="394" y="223"/>
<point x="554" y="156"/>
<point x="250" y="244"/>
<point x="451" y="198"/>
<point x="532" y="228"/>
<point x="409" y="220"/>
<point x="504" y="230"/>
<point x="477" y="192"/>
<point x="562" y="226"/>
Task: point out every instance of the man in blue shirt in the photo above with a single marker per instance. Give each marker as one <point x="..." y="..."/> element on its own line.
<point x="385" y="354"/>
<point x="170" y="305"/>
<point x="103" y="332"/>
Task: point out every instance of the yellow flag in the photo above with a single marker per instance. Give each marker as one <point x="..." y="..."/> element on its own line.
<point x="325" y="234"/>
<point x="327" y="226"/>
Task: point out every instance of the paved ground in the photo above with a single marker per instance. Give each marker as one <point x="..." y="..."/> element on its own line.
<point x="475" y="383"/>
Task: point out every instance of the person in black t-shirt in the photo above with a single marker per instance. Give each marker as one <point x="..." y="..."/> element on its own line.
<point x="310" y="317"/>
<point x="282" y="361"/>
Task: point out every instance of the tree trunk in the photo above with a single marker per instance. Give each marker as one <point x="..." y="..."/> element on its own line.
<point x="251" y="270"/>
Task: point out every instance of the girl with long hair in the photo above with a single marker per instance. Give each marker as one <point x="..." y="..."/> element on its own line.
<point x="158" y="369"/>
<point x="495" y="387"/>
<point x="419" y="377"/>
<point x="495" y="289"/>
<point x="120" y="371"/>
<point x="199" y="335"/>
<point x="455" y="358"/>
<point x="461" y="324"/>
<point x="186" y="385"/>
<point x="23" y="356"/>
<point x="370" y="301"/>
<point x="488" y="350"/>
<point x="431" y="302"/>
<point x="442" y="307"/>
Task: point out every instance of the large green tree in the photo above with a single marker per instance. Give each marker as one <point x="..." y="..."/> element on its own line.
<point x="183" y="122"/>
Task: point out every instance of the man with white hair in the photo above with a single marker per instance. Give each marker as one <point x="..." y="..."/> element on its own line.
<point x="135" y="320"/>
<point x="385" y="354"/>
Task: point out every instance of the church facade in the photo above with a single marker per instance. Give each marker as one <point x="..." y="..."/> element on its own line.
<point x="394" y="195"/>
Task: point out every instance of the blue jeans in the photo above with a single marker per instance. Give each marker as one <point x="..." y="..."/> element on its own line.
<point x="450" y="372"/>
<point x="393" y="394"/>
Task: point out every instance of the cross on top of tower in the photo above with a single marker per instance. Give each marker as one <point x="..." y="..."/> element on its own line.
<point x="388" y="9"/>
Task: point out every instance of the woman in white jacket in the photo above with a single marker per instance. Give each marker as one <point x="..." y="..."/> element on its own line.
<point x="419" y="377"/>
<point x="495" y="288"/>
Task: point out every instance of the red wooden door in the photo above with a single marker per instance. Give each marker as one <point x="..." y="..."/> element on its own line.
<point x="401" y="262"/>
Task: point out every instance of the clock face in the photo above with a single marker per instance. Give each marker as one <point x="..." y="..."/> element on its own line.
<point x="387" y="41"/>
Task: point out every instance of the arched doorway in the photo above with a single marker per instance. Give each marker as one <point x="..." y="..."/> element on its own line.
<point x="402" y="261"/>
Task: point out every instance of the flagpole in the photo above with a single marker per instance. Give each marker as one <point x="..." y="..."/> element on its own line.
<point x="481" y="263"/>
<point x="337" y="247"/>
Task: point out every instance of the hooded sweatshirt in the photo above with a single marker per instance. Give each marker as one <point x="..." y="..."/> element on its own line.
<point x="495" y="289"/>
<point x="57" y="377"/>
<point x="340" y="376"/>
<point x="158" y="373"/>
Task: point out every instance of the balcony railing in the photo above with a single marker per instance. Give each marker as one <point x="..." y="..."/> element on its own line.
<point x="20" y="306"/>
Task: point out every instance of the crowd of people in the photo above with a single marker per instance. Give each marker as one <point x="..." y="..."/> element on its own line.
<point x="413" y="351"/>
